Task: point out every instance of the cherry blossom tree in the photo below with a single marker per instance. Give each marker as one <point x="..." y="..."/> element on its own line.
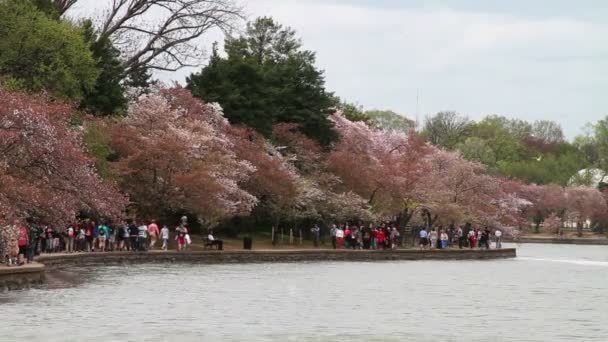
<point x="44" y="170"/>
<point x="174" y="153"/>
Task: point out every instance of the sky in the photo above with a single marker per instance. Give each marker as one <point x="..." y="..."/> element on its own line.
<point x="533" y="60"/>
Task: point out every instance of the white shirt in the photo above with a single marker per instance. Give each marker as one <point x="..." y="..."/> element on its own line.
<point x="164" y="233"/>
<point x="339" y="233"/>
<point x="210" y="237"/>
<point x="498" y="233"/>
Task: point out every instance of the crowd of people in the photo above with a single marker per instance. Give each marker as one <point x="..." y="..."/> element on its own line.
<point x="463" y="237"/>
<point x="89" y="236"/>
<point x="388" y="236"/>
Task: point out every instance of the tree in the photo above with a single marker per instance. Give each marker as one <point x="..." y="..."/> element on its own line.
<point x="161" y="34"/>
<point x="477" y="149"/>
<point x="173" y="154"/>
<point x="108" y="95"/>
<point x="446" y="129"/>
<point x="45" y="173"/>
<point x="40" y="53"/>
<point x="549" y="132"/>
<point x="267" y="78"/>
<point x="389" y="121"/>
<point x="583" y="203"/>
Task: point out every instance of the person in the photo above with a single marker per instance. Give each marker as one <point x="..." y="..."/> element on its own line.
<point x="394" y="237"/>
<point x="498" y="235"/>
<point x="95" y="230"/>
<point x="367" y="237"/>
<point x="424" y="238"/>
<point x="102" y="235"/>
<point x="71" y="234"/>
<point x="472" y="238"/>
<point x="381" y="236"/>
<point x="444" y="239"/>
<point x="164" y="235"/>
<point x="486" y="236"/>
<point x="88" y="233"/>
<point x="316" y="233"/>
<point x="215" y="242"/>
<point x="181" y="237"/>
<point x="479" y="236"/>
<point x="111" y="245"/>
<point x="142" y="237"/>
<point x="120" y="237"/>
<point x="339" y="237"/>
<point x="153" y="232"/>
<point x="133" y="234"/>
<point x="460" y="237"/>
<point x="346" y="239"/>
<point x="48" y="233"/>
<point x="332" y="234"/>
<point x="81" y="240"/>
<point x="433" y="238"/>
<point x="22" y="243"/>
<point x="374" y="236"/>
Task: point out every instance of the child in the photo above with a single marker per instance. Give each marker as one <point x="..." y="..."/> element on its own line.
<point x="164" y="235"/>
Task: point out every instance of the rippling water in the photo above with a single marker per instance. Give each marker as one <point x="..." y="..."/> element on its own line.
<point x="549" y="293"/>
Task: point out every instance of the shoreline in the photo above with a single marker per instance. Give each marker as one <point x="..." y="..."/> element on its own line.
<point x="12" y="278"/>
<point x="556" y="241"/>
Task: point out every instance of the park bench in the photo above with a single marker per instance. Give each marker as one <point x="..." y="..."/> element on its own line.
<point x="209" y="244"/>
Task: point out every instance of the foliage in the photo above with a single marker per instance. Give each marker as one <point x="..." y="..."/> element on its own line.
<point x="44" y="172"/>
<point x="108" y="95"/>
<point x="267" y="78"/>
<point x="42" y="53"/>
<point x="446" y="129"/>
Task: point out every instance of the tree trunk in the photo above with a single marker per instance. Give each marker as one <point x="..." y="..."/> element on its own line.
<point x="300" y="236"/>
<point x="291" y="236"/>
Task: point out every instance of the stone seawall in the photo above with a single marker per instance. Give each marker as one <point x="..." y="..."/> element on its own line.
<point x="17" y="277"/>
<point x="600" y="242"/>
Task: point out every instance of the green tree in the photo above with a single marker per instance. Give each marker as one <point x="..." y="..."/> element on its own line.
<point x="39" y="52"/>
<point x="477" y="149"/>
<point x="447" y="129"/>
<point x="389" y="121"/>
<point x="108" y="95"/>
<point x="267" y="78"/>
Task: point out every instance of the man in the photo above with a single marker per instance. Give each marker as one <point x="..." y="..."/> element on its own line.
<point x="339" y="238"/>
<point x="332" y="233"/>
<point x="316" y="233"/>
<point x="215" y="242"/>
<point x="460" y="237"/>
<point x="498" y="235"/>
<point x="142" y="237"/>
<point x="424" y="238"/>
<point x="153" y="232"/>
<point x="133" y="234"/>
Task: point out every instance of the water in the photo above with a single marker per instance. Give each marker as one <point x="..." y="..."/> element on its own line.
<point x="549" y="293"/>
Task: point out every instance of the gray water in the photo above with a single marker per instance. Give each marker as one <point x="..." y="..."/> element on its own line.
<point x="549" y="293"/>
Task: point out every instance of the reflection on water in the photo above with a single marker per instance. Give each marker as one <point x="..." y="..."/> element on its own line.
<point x="550" y="293"/>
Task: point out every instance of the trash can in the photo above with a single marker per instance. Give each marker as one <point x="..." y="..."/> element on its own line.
<point x="247" y="242"/>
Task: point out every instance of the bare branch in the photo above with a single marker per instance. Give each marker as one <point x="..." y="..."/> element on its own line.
<point x="163" y="34"/>
<point x="63" y="6"/>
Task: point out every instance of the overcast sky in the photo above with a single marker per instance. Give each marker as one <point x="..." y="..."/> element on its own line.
<point x="542" y="59"/>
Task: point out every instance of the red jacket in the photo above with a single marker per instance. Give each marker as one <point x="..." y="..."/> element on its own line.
<point x="24" y="238"/>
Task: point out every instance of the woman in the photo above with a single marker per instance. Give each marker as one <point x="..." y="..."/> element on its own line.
<point x="472" y="238"/>
<point x="433" y="237"/>
<point x="22" y="242"/>
<point x="381" y="237"/>
<point x="444" y="239"/>
<point x="181" y="237"/>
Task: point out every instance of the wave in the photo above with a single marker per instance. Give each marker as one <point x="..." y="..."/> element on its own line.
<point x="569" y="261"/>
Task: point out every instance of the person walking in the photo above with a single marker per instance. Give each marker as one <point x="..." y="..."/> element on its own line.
<point x="142" y="237"/>
<point x="332" y="234"/>
<point x="133" y="234"/>
<point x="153" y="232"/>
<point x="316" y="234"/>
<point x="433" y="237"/>
<point x="498" y="235"/>
<point x="102" y="236"/>
<point x="164" y="235"/>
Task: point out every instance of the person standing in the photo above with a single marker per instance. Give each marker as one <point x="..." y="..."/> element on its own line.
<point x="374" y="236"/>
<point x="339" y="237"/>
<point x="498" y="235"/>
<point x="102" y="235"/>
<point x="22" y="243"/>
<point x="71" y="233"/>
<point x="445" y="238"/>
<point x="316" y="234"/>
<point x="460" y="236"/>
<point x="182" y="231"/>
<point x="153" y="232"/>
<point x="424" y="238"/>
<point x="472" y="238"/>
<point x="164" y="235"/>
<point x="381" y="238"/>
<point x="332" y="234"/>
